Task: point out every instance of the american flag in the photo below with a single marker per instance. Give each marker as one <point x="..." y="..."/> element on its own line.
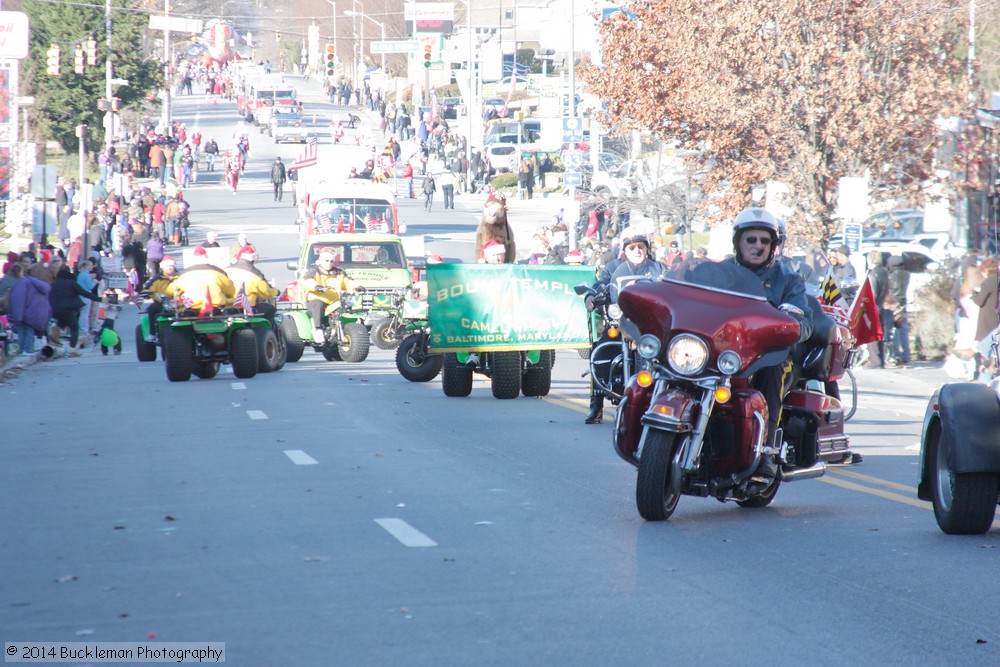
<point x="325" y="223"/>
<point x="307" y="157"/>
<point x="243" y="301"/>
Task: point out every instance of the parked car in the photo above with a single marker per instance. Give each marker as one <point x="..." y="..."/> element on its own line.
<point x="493" y="104"/>
<point x="451" y="108"/>
<point x="289" y="128"/>
<point x="502" y="156"/>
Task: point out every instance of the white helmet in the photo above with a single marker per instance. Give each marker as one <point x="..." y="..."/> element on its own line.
<point x="633" y="234"/>
<point x="757" y="218"/>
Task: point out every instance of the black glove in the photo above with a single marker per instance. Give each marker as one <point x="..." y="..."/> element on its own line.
<point x="590" y="302"/>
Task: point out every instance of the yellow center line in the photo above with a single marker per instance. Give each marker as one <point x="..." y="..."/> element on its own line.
<point x="888" y="495"/>
<point x="870" y="479"/>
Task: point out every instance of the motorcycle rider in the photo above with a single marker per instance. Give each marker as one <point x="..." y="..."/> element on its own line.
<point x="635" y="263"/>
<point x="259" y="292"/>
<point x="159" y="284"/>
<point x="756" y="234"/>
<point x="205" y="285"/>
<point x="323" y="274"/>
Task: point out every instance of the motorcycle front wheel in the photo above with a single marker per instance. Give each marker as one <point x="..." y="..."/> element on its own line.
<point x="653" y="497"/>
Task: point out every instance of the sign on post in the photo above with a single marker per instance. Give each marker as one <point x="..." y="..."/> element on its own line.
<point x="852" y="236"/>
<point x="396" y="46"/>
<point x="13" y="35"/>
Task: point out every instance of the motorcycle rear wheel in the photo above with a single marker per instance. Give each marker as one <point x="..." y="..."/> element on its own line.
<point x="653" y="496"/>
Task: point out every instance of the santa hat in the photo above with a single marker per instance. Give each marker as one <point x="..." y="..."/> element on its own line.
<point x="200" y="252"/>
<point x="436" y="259"/>
<point x="493" y="248"/>
<point x="247" y="252"/>
<point x="45" y="256"/>
<point x="497" y="197"/>
<point x="574" y="257"/>
<point x="167" y="259"/>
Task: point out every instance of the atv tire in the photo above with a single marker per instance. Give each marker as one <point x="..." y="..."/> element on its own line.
<point x="414" y="364"/>
<point x="243" y="353"/>
<point x="144" y="350"/>
<point x="505" y="378"/>
<point x="537" y="380"/>
<point x="383" y="334"/>
<point x="267" y="350"/>
<point x="206" y="370"/>
<point x="354" y="348"/>
<point x="456" y="378"/>
<point x="178" y="356"/>
<point x="293" y="341"/>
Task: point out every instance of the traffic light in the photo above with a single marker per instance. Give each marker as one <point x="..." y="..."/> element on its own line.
<point x="91" y="52"/>
<point x="427" y="54"/>
<point x="79" y="60"/>
<point x="331" y="59"/>
<point x="53" y="61"/>
<point x="116" y="104"/>
<point x="81" y="131"/>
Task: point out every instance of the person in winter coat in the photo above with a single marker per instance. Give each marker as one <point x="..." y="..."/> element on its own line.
<point x="64" y="298"/>
<point x="986" y="298"/>
<point x="205" y="285"/>
<point x="29" y="310"/>
<point x="430" y="187"/>
<point x="244" y="274"/>
<point x="879" y="277"/>
<point x="278" y="178"/>
<point x="154" y="253"/>
<point x="323" y="274"/>
<point x="899" y="281"/>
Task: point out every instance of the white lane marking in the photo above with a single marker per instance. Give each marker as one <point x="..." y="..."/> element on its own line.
<point x="405" y="533"/>
<point x="300" y="458"/>
<point x="256" y="414"/>
<point x="239" y="385"/>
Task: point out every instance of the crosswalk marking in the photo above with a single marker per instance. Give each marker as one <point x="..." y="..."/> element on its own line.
<point x="300" y="458"/>
<point x="405" y="533"/>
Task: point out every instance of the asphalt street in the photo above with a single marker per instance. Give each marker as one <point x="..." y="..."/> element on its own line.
<point x="336" y="514"/>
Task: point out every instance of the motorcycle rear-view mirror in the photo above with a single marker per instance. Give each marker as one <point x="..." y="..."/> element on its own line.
<point x="581" y="288"/>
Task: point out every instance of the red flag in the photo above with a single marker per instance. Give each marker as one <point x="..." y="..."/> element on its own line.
<point x="863" y="316"/>
<point x="206" y="306"/>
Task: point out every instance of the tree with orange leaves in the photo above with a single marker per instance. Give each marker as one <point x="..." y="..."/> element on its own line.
<point x="796" y="91"/>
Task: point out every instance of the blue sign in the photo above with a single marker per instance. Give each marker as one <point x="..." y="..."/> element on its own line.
<point x="572" y="178"/>
<point x="572" y="130"/>
<point x="853" y="235"/>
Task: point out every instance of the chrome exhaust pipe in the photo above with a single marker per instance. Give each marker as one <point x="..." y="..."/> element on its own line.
<point x="813" y="472"/>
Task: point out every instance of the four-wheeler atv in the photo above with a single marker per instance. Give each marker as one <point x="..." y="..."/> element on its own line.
<point x="193" y="345"/>
<point x="511" y="373"/>
<point x="345" y="337"/>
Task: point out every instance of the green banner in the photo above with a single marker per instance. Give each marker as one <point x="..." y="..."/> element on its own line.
<point x="488" y="307"/>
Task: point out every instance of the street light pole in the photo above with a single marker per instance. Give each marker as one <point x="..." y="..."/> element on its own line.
<point x="381" y="26"/>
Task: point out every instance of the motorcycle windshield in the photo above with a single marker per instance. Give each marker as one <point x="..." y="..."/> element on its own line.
<point x="720" y="302"/>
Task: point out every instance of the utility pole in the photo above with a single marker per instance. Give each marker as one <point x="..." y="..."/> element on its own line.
<point x="109" y="126"/>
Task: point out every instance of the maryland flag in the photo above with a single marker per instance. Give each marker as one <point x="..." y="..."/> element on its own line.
<point x="863" y="316"/>
<point x="832" y="301"/>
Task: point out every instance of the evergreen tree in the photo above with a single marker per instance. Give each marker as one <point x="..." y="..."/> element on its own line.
<point x="65" y="101"/>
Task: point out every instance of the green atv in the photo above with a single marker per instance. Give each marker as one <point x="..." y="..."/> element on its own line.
<point x="199" y="346"/>
<point x="511" y="373"/>
<point x="345" y="336"/>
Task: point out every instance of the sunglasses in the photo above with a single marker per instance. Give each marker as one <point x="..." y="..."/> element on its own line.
<point x="754" y="240"/>
<point x="635" y="246"/>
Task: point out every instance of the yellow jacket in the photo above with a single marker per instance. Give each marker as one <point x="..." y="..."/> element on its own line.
<point x="161" y="286"/>
<point x="202" y="279"/>
<point x="317" y="277"/>
<point x="241" y="273"/>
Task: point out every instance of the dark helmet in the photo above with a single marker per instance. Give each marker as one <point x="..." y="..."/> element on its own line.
<point x="757" y="218"/>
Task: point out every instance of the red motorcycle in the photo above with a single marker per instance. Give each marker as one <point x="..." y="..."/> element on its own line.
<point x="691" y="420"/>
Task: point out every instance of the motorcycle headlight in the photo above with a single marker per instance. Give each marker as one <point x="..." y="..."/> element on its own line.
<point x="729" y="362"/>
<point x="648" y="346"/>
<point x="614" y="312"/>
<point x="687" y="354"/>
